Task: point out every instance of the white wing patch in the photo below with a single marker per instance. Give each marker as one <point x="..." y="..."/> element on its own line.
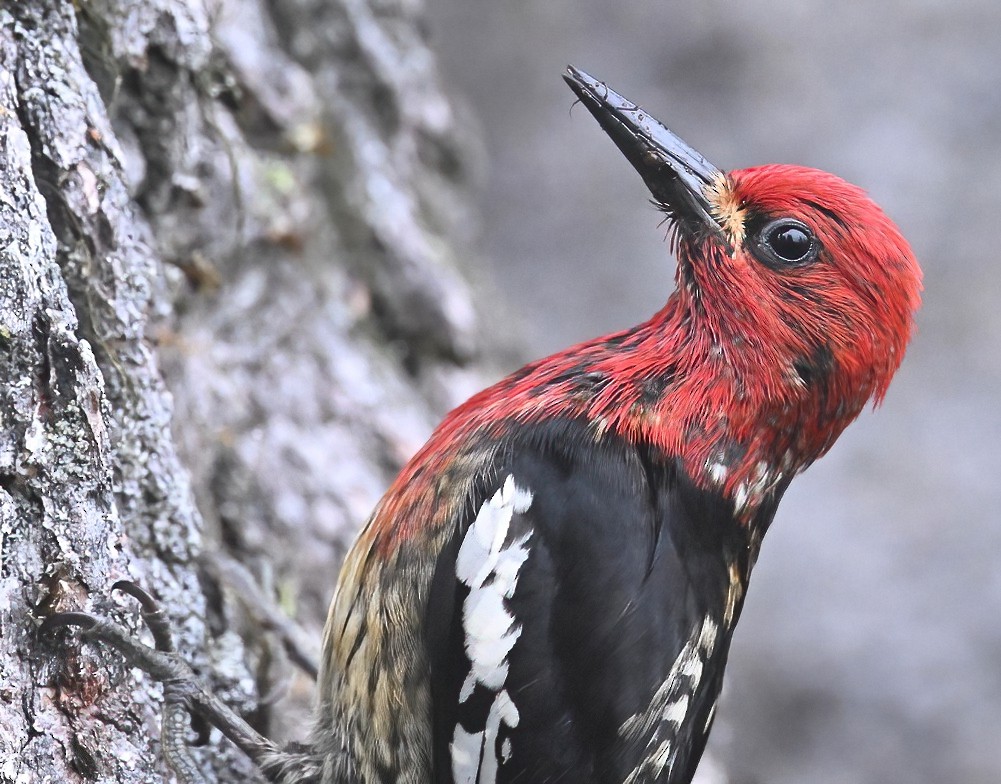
<point x="669" y="706"/>
<point x="489" y="562"/>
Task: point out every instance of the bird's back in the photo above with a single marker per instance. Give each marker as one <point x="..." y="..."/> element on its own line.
<point x="578" y="623"/>
<point x="573" y="625"/>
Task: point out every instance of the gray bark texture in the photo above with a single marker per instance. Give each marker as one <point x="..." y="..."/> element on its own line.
<point x="230" y="308"/>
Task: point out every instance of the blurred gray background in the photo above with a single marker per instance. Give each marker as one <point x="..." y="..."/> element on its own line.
<point x="870" y="647"/>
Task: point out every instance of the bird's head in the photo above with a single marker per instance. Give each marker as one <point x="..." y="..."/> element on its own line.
<point x="795" y="279"/>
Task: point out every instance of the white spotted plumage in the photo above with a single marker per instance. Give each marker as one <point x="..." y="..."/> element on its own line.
<point x="489" y="562"/>
<point x="670" y="705"/>
<point x="749" y="494"/>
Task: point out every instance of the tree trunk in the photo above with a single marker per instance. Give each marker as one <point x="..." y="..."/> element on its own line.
<point x="230" y="309"/>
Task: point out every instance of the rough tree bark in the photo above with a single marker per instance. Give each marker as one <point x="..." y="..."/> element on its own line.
<point x="230" y="308"/>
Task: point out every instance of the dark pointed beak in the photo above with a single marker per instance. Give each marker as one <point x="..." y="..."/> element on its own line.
<point x="678" y="177"/>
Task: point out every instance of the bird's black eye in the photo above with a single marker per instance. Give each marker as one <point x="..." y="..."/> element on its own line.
<point x="785" y="242"/>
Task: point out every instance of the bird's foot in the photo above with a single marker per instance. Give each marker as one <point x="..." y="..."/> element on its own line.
<point x="184" y="693"/>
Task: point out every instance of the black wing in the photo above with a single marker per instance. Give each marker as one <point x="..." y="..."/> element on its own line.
<point x="576" y="621"/>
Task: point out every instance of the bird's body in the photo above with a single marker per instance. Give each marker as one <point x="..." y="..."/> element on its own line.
<point x="577" y="590"/>
<point x="547" y="591"/>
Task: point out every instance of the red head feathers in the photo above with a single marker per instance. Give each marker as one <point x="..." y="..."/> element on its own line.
<point x="794" y="305"/>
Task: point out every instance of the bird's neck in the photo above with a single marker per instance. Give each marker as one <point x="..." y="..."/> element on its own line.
<point x="740" y="415"/>
<point x="735" y="412"/>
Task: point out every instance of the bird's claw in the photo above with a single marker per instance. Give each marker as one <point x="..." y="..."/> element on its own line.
<point x="185" y="696"/>
<point x="161" y="661"/>
<point x="152" y="614"/>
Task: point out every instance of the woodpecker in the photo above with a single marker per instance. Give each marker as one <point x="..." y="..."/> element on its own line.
<point x="547" y="591"/>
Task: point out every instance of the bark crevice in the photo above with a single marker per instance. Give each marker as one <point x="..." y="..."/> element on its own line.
<point x="222" y="232"/>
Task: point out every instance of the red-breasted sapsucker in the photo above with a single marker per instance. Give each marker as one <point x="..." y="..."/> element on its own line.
<point x="548" y="590"/>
